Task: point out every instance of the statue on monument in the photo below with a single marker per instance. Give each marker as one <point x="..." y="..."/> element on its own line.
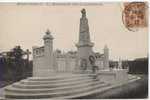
<point x="92" y="61"/>
<point x="48" y="32"/>
<point x="84" y="28"/>
<point x="83" y="11"/>
<point x="83" y="64"/>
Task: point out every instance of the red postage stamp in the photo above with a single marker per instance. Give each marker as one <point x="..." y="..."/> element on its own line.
<point x="135" y="15"/>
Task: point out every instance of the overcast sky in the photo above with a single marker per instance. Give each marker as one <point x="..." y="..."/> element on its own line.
<point x="25" y="25"/>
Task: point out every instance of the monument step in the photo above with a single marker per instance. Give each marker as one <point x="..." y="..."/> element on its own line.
<point x="56" y="94"/>
<point x="57" y="77"/>
<point x="78" y="94"/>
<point x="110" y="86"/>
<point x="32" y="82"/>
<point x="52" y="90"/>
<point x="39" y="86"/>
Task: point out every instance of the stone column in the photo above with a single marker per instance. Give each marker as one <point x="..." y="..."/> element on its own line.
<point x="48" y="54"/>
<point x="106" y="57"/>
<point x="84" y="45"/>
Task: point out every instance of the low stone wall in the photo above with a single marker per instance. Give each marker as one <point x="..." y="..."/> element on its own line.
<point x="113" y="76"/>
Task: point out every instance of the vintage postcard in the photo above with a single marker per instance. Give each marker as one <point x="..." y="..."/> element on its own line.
<point x="88" y="50"/>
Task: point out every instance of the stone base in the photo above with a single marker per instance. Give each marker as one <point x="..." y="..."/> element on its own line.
<point x="83" y="72"/>
<point x="63" y="86"/>
<point x="44" y="73"/>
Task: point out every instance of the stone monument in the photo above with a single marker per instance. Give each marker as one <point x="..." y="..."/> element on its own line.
<point x="84" y="44"/>
<point x="46" y="60"/>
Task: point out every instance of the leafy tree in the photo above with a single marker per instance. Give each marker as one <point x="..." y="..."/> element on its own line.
<point x="13" y="66"/>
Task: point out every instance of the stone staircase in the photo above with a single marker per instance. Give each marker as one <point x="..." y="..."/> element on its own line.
<point x="56" y="86"/>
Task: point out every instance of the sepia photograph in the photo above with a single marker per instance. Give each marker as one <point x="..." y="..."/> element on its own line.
<point x="80" y="50"/>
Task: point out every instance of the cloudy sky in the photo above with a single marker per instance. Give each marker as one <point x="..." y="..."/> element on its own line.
<point x="25" y="25"/>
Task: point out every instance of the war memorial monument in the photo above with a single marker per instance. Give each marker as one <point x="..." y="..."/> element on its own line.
<point x="69" y="75"/>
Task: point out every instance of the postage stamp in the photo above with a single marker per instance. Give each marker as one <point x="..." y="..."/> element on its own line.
<point x="134" y="15"/>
